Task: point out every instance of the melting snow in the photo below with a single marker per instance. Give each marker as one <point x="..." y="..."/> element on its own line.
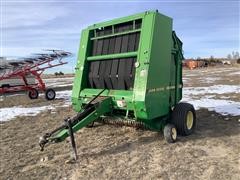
<point x="222" y="106"/>
<point x="12" y="112"/>
<point x="215" y="89"/>
<point x="7" y="114"/>
<point x="210" y="79"/>
<point x="66" y="95"/>
<point x="59" y="82"/>
<point x="235" y="73"/>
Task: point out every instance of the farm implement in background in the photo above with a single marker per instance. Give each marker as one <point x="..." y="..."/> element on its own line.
<point x="30" y="68"/>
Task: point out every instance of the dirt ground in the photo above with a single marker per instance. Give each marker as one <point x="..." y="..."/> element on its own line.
<point x="110" y="152"/>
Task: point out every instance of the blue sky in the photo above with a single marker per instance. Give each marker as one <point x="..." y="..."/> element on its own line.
<point x="205" y="27"/>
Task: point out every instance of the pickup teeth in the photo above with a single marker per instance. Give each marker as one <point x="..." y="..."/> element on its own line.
<point x="121" y="122"/>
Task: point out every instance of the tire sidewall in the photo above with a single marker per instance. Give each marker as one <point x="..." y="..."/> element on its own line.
<point x="179" y="118"/>
<point x="167" y="132"/>
<point x="47" y="94"/>
<point x="189" y="131"/>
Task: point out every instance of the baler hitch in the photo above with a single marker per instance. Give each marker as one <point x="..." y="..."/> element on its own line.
<point x="90" y="112"/>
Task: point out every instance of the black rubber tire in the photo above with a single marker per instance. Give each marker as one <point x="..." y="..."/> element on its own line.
<point x="33" y="94"/>
<point x="168" y="133"/>
<point x="179" y="118"/>
<point x="50" y="94"/>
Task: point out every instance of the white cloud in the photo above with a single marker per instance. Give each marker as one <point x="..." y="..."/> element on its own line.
<point x="23" y="51"/>
<point x="30" y="14"/>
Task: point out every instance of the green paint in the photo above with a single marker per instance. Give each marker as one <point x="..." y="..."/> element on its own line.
<point x="104" y="107"/>
<point x="115" y="34"/>
<point x="112" y="56"/>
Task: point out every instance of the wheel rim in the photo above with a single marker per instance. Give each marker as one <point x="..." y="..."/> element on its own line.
<point x="174" y="133"/>
<point x="50" y="94"/>
<point x="189" y="120"/>
<point x="33" y="93"/>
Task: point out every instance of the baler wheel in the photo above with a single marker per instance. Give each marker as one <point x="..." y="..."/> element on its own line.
<point x="33" y="94"/>
<point x="50" y="94"/>
<point x="184" y="118"/>
<point x="170" y="133"/>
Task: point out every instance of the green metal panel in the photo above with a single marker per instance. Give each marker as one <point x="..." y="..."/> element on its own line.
<point x="87" y="94"/>
<point x="157" y="96"/>
<point x="140" y="84"/>
<point x="80" y="71"/>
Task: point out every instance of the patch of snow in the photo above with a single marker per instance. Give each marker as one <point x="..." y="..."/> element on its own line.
<point x="7" y="114"/>
<point x="185" y="79"/>
<point x="190" y="75"/>
<point x="225" y="97"/>
<point x="224" y="107"/>
<point x="235" y="73"/>
<point x="15" y="94"/>
<point x="60" y="85"/>
<point x="215" y="89"/>
<point x="59" y="82"/>
<point x="58" y="79"/>
<point x="209" y="79"/>
<point x="66" y="95"/>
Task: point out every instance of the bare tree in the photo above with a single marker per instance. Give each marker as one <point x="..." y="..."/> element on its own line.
<point x="229" y="56"/>
<point x="236" y="55"/>
<point x="211" y="58"/>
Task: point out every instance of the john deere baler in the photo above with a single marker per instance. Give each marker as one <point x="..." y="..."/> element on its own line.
<point x="130" y="68"/>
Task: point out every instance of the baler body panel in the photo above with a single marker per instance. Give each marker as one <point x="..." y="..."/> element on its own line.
<point x="137" y="59"/>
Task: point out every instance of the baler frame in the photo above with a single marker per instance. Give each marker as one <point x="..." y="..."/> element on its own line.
<point x="153" y="101"/>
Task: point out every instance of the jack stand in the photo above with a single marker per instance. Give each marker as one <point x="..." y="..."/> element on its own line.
<point x="70" y="131"/>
